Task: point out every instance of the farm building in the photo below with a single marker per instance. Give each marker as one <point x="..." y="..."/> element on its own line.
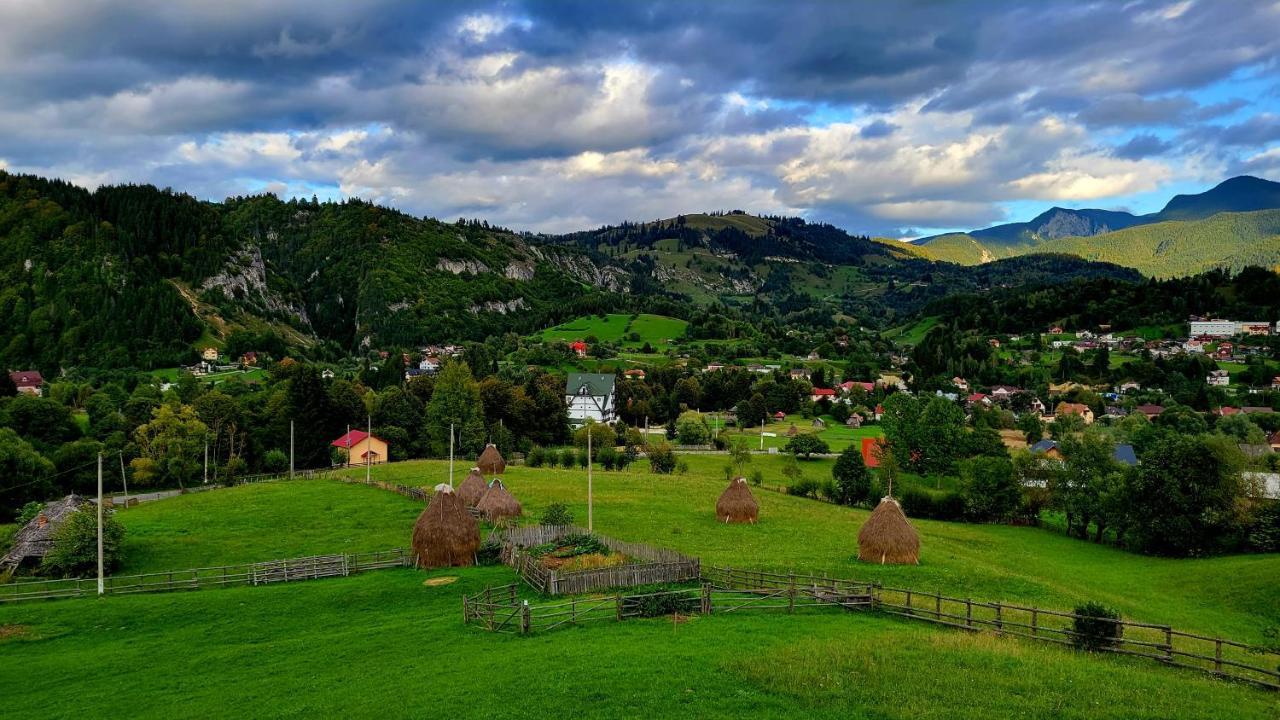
<point x="35" y="539"/>
<point x="590" y="396"/>
<point x="362" y="448"/>
<point x="1048" y="448"/>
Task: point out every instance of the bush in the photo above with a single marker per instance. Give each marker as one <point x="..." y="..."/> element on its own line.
<point x="658" y="605"/>
<point x="536" y="457"/>
<point x="805" y="487"/>
<point x="490" y="553"/>
<point x="923" y="504"/>
<point x="556" y="514"/>
<point x="807" y="444"/>
<point x="583" y="459"/>
<point x="1264" y="533"/>
<point x="852" y="480"/>
<point x="608" y="457"/>
<point x="662" y="459"/>
<point x="568" y="458"/>
<point x="757" y="477"/>
<point x="1095" y="627"/>
<point x="275" y="461"/>
<point x="691" y="429"/>
<point x="29" y="512"/>
<point x="75" y="544"/>
<point x="682" y="467"/>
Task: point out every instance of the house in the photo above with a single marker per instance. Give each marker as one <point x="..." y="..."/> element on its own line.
<point x="1253" y="328"/>
<point x="1213" y="328"/>
<point x="1151" y="411"/>
<point x="819" y="424"/>
<point x="362" y="448"/>
<point x="1219" y="378"/>
<point x="1002" y="393"/>
<point x="249" y="359"/>
<point x="429" y="364"/>
<point x="1227" y="411"/>
<point x="978" y="398"/>
<point x="813" y="356"/>
<point x="799" y="374"/>
<point x="871" y="451"/>
<point x="849" y="385"/>
<point x="1038" y="407"/>
<point x="1124" y="454"/>
<point x="820" y="393"/>
<point x="1048" y="448"/>
<point x="1055" y="330"/>
<point x="1066" y="408"/>
<point x="994" y="342"/>
<point x="960" y="384"/>
<point x="210" y="354"/>
<point x="579" y="348"/>
<point x="35" y="539"/>
<point x="326" y="374"/>
<point x="634" y="374"/>
<point x="879" y="412"/>
<point x="1275" y="383"/>
<point x="1115" y="412"/>
<point x="28" y="381"/>
<point x="713" y="367"/>
<point x="757" y="368"/>
<point x="779" y="415"/>
<point x="1128" y="387"/>
<point x="590" y="396"/>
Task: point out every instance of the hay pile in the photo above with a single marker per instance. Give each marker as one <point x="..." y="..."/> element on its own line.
<point x="473" y="488"/>
<point x="490" y="461"/>
<point x="737" y="504"/>
<point x="498" y="504"/>
<point x="445" y="534"/>
<point x="887" y="537"/>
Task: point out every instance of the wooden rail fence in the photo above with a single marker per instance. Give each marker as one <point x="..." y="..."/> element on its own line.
<point x="260" y="573"/>
<point x="658" y="565"/>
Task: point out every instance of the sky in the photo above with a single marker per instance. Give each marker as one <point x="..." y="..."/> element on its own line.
<point x="885" y="118"/>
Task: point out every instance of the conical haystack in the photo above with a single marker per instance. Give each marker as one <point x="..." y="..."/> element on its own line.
<point x="498" y="504"/>
<point x="737" y="504"/>
<point x="490" y="461"/>
<point x="445" y="534"/>
<point x="473" y="488"/>
<point x="887" y="537"/>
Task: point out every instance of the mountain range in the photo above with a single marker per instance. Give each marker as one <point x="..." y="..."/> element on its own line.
<point x="1232" y="225"/>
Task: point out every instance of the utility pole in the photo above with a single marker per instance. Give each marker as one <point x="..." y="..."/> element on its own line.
<point x="291" y="449"/>
<point x="123" y="479"/>
<point x="368" y="453"/>
<point x="206" y="460"/>
<point x="450" y="454"/>
<point x="348" y="444"/>
<point x="590" y="462"/>
<point x="101" y="587"/>
<point x="761" y="434"/>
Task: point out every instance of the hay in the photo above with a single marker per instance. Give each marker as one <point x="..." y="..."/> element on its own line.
<point x="498" y="504"/>
<point x="887" y="536"/>
<point x="491" y="462"/>
<point x="472" y="489"/>
<point x="445" y="534"/>
<point x="737" y="504"/>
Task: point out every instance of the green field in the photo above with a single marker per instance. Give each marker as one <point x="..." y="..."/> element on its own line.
<point x="385" y="645"/>
<point x="250" y="375"/>
<point x="837" y="436"/>
<point x="657" y="330"/>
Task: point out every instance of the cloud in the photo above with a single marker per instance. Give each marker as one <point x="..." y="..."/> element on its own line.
<point x="1142" y="146"/>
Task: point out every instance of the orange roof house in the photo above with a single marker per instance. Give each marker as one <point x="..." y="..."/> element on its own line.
<point x="362" y="448"/>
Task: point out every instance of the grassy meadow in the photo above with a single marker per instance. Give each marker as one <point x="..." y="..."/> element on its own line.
<point x="384" y="644"/>
<point x="657" y="330"/>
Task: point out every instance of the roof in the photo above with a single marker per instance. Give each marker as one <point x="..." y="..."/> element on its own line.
<point x="1149" y="409"/>
<point x="1044" y="446"/>
<point x="35" y="539"/>
<point x="26" y="378"/>
<point x="871" y="451"/>
<point x="823" y="391"/>
<point x="594" y="384"/>
<point x="1255" y="451"/>
<point x="1010" y="389"/>
<point x="354" y="437"/>
<point x="977" y="397"/>
<point x="1071" y="408"/>
<point x="1256" y="410"/>
<point x="1124" y="454"/>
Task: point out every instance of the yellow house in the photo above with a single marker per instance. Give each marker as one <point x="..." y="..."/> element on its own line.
<point x="209" y="353"/>
<point x="362" y="448"/>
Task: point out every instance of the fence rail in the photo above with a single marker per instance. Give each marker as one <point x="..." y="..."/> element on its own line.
<point x="726" y="590"/>
<point x="259" y="573"/>
<point x="658" y="565"/>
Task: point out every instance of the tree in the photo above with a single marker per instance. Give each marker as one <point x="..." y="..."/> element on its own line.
<point x="739" y="456"/>
<point x="25" y="472"/>
<point x="602" y="436"/>
<point x="991" y="492"/>
<point x="807" y="444"/>
<point x="691" y="428"/>
<point x="1032" y="427"/>
<point x="76" y="463"/>
<point x="852" y="479"/>
<point x="1064" y="426"/>
<point x="173" y="443"/>
<point x="1082" y="490"/>
<point x="456" y="402"/>
<point x="45" y="422"/>
<point x="75" y="544"/>
<point x="662" y="459"/>
<point x="1241" y="429"/>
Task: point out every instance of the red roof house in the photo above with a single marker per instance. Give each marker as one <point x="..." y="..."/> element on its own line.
<point x="579" y="348"/>
<point x="362" y="448"/>
<point x="28" y="381"/>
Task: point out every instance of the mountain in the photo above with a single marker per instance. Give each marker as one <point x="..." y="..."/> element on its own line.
<point x="1189" y="235"/>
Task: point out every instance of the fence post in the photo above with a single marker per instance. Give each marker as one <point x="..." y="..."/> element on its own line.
<point x="617" y="600"/>
<point x="968" y="613"/>
<point x="1217" y="655"/>
<point x="909" y="603"/>
<point x="791" y="592"/>
<point x="1035" y="614"/>
<point x="937" y="606"/>
<point x="524" y="618"/>
<point x="1168" y="643"/>
<point x="465" y="616"/>
<point x="999" y="618"/>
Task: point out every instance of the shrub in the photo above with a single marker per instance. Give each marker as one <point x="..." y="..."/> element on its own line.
<point x="536" y="457"/>
<point x="659" y="604"/>
<point x="1264" y="533"/>
<point x="828" y="490"/>
<point x="75" y="544"/>
<point x="583" y="459"/>
<point x="662" y="459"/>
<point x="692" y="429"/>
<point x="556" y="514"/>
<point x="852" y="480"/>
<point x="490" y="552"/>
<point x="757" y="477"/>
<point x="1095" y="628"/>
<point x="275" y="461"/>
<point x="917" y="503"/>
<point x="805" y="487"/>
<point x="608" y="458"/>
<point x="682" y="467"/>
<point x="29" y="512"/>
<point x="807" y="444"/>
<point x="568" y="458"/>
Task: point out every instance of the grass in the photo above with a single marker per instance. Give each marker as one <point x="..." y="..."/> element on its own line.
<point x="172" y="374"/>
<point x="657" y="330"/>
<point x="370" y="645"/>
<point x="837" y="436"/>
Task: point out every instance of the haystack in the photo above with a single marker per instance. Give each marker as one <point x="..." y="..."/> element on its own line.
<point x="737" y="504"/>
<point x="473" y="488"/>
<point x="445" y="534"/>
<point x="792" y="431"/>
<point x="887" y="537"/>
<point x="498" y="504"/>
<point x="490" y="461"/>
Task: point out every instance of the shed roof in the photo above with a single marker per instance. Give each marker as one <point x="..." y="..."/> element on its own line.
<point x="35" y="539"/>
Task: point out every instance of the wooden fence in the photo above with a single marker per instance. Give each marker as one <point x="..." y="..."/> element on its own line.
<point x="260" y="573"/>
<point x="658" y="565"/>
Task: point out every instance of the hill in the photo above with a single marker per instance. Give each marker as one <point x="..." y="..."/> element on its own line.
<point x="1188" y="236"/>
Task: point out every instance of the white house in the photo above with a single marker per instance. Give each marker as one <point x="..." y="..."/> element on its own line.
<point x="1219" y="378"/>
<point x="1213" y="328"/>
<point x="590" y="396"/>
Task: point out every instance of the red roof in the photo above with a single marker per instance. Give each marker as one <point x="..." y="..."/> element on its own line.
<point x="26" y="378"/>
<point x="578" y="346"/>
<point x="780" y="415"/>
<point x="871" y="448"/>
<point x="1225" y="411"/>
<point x="352" y="438"/>
<point x="1150" y="409"/>
<point x="823" y="391"/>
<point x="977" y="397"/>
